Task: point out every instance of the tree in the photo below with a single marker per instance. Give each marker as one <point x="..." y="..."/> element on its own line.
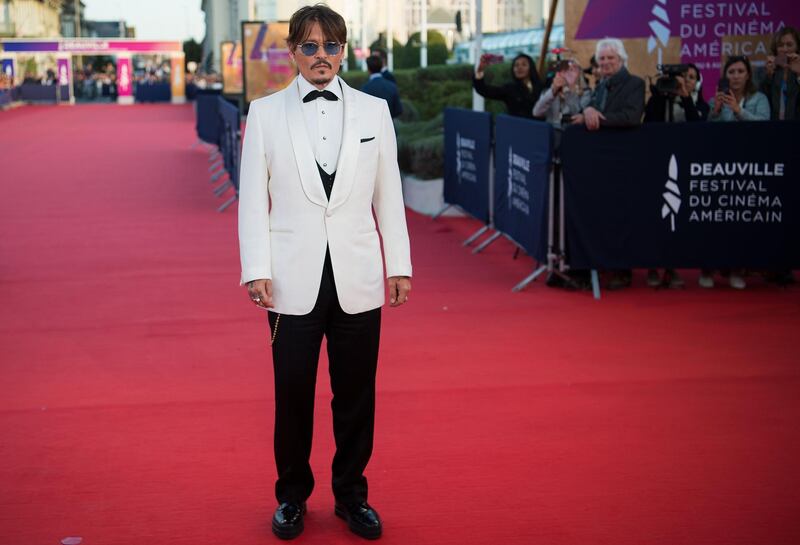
<point x="437" y="50"/>
<point x="193" y="51"/>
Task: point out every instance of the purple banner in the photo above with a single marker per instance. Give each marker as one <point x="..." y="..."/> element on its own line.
<point x="124" y="83"/>
<point x="8" y="68"/>
<point x="63" y="71"/>
<point x="84" y="45"/>
<point x="709" y="30"/>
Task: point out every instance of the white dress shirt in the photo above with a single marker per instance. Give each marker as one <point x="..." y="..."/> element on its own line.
<point x="324" y="122"/>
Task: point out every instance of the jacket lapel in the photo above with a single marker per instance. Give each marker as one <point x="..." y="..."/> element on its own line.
<point x="348" y="152"/>
<point x="303" y="153"/>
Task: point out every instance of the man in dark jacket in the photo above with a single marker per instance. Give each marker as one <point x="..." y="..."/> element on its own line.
<point x="521" y="94"/>
<point x="381" y="87"/>
<point x="618" y="100"/>
<point x="381" y="53"/>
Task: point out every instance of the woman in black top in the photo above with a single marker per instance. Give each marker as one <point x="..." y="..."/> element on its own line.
<point x="521" y="94"/>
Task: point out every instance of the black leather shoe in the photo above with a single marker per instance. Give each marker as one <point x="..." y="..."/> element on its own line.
<point x="287" y="522"/>
<point x="362" y="519"/>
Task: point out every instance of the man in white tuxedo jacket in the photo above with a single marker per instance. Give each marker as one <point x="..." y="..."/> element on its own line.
<point x="318" y="157"/>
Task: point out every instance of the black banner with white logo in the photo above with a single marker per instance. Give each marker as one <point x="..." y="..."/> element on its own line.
<point x="708" y="195"/>
<point x="522" y="174"/>
<point x="467" y="145"/>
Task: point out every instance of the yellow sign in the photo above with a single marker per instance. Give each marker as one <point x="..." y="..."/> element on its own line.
<point x="178" y="78"/>
<point x="231" y="59"/>
<point x="267" y="66"/>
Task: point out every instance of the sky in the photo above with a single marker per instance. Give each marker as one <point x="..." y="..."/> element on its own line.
<point x="153" y="19"/>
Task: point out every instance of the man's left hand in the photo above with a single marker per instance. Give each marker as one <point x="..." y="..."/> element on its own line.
<point x="399" y="288"/>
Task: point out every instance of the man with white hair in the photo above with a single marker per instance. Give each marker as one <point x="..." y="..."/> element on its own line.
<point x="618" y="100"/>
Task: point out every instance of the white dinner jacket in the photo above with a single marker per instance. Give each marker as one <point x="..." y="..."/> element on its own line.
<point x="286" y="221"/>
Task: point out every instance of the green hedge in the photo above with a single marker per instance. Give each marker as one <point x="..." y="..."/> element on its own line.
<point x="425" y="93"/>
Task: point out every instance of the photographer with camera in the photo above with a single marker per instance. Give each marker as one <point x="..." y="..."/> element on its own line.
<point x="521" y="94"/>
<point x="566" y="97"/>
<point x="782" y="82"/>
<point x="737" y="98"/>
<point x="677" y="96"/>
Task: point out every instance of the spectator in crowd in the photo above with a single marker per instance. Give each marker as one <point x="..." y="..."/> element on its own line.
<point x="618" y="100"/>
<point x="594" y="71"/>
<point x="381" y="87"/>
<point x="687" y="101"/>
<point x="782" y="82"/>
<point x="521" y="94"/>
<point x="688" y="105"/>
<point x="384" y="57"/>
<point x="741" y="101"/>
<point x="736" y="100"/>
<point x="566" y="97"/>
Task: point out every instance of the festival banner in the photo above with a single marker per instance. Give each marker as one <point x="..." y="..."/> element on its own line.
<point x="661" y="196"/>
<point x="88" y="46"/>
<point x="177" y="78"/>
<point x="523" y="160"/>
<point x="231" y="58"/>
<point x="8" y="68"/>
<point x="267" y="65"/>
<point x="703" y="32"/>
<point x="467" y="152"/>
<point x="124" y="80"/>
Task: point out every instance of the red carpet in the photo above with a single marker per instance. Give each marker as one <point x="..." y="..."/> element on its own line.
<point x="137" y="403"/>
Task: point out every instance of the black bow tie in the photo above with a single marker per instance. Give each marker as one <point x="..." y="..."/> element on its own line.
<point x="313" y="95"/>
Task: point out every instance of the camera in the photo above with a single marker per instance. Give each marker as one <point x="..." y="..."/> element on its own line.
<point x="723" y="85"/>
<point x="667" y="83"/>
<point x="491" y="58"/>
<point x="566" y="119"/>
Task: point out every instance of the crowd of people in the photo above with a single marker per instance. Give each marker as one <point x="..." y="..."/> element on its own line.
<point x="616" y="98"/>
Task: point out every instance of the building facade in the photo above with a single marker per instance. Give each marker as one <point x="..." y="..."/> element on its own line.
<point x="30" y="18"/>
<point x="368" y="19"/>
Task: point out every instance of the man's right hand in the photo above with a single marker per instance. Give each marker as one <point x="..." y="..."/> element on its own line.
<point x="260" y="292"/>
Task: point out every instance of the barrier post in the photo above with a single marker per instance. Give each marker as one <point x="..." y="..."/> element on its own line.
<point x="124" y="79"/>
<point x="64" y="78"/>
<point x="177" y="78"/>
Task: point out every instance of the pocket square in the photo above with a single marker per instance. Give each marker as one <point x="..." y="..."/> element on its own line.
<point x="367" y="139"/>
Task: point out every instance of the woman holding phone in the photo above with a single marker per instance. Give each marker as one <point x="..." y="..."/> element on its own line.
<point x="521" y="94"/>
<point x="782" y="82"/>
<point x="737" y="98"/>
<point x="568" y="95"/>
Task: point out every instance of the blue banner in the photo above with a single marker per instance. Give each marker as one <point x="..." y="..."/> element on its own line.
<point x="7" y="68"/>
<point x="523" y="158"/>
<point x="467" y="145"/>
<point x="696" y="195"/>
<point x="230" y="139"/>
<point x="208" y="129"/>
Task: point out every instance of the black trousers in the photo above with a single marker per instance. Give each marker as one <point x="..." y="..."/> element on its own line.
<point x="353" y="358"/>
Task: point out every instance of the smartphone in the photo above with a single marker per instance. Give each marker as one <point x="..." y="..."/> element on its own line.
<point x="562" y="66"/>
<point x="491" y="58"/>
<point x="723" y="85"/>
<point x="781" y="61"/>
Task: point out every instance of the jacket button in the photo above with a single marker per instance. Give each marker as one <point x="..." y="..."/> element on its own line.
<point x="328" y="213"/>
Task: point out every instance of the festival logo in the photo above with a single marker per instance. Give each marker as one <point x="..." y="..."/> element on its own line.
<point x="672" y="195"/>
<point x="466" y="169"/>
<point x="659" y="30"/>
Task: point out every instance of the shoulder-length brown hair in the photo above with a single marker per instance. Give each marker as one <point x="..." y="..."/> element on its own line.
<point x="773" y="46"/>
<point x="332" y="24"/>
<point x="750" y="88"/>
